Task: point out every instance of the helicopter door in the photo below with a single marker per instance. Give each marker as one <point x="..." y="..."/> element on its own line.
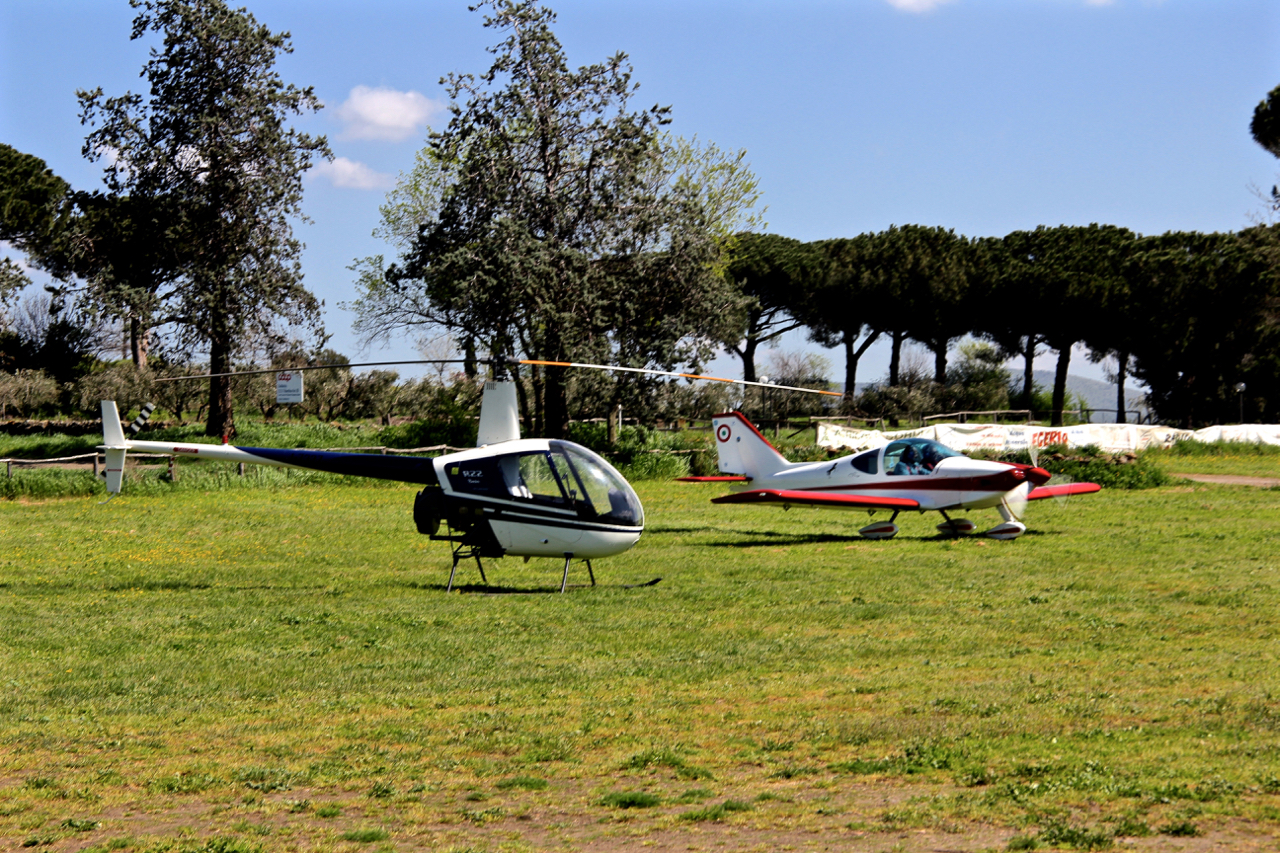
<point x="535" y="480"/>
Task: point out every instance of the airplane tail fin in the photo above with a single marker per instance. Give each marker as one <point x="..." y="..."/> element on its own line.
<point x="743" y="450"/>
<point x="113" y="441"/>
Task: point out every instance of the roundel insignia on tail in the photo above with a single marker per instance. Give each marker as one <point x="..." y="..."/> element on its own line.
<point x="723" y="432"/>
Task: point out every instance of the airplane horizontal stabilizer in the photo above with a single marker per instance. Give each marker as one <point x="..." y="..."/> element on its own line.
<point x="820" y="499"/>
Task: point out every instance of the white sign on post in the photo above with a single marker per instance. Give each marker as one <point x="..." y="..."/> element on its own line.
<point x="289" y="386"/>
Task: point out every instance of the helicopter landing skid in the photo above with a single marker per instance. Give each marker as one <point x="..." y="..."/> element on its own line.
<point x="564" y="581"/>
<point x="462" y="552"/>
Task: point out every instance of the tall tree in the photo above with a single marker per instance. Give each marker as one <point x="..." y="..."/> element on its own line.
<point x="34" y="211"/>
<point x="935" y="280"/>
<point x="210" y="143"/>
<point x="776" y="274"/>
<point x="1211" y="326"/>
<point x="843" y="310"/>
<point x="562" y="230"/>
<point x="920" y="275"/>
<point x="1064" y="274"/>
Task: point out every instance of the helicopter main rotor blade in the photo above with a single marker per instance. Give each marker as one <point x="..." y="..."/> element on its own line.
<point x="541" y="362"/>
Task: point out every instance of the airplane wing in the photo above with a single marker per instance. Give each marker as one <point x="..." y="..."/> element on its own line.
<point x="1065" y="489"/>
<point x="823" y="499"/>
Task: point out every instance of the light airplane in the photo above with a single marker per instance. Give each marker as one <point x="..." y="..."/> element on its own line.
<point x="509" y="496"/>
<point x="915" y="474"/>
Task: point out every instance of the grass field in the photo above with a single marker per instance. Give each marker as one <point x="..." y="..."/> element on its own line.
<point x="280" y="669"/>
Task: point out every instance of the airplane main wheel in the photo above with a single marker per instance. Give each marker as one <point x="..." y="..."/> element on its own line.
<point x="879" y="530"/>
<point x="957" y="527"/>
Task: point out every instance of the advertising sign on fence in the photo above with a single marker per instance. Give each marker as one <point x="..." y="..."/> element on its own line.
<point x="1110" y="438"/>
<point x="289" y="386"/>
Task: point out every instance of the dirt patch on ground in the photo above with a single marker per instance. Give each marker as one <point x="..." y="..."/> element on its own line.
<point x="1232" y="480"/>
<point x="834" y="814"/>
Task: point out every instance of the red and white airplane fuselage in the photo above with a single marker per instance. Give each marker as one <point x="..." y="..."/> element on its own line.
<point x="908" y="474"/>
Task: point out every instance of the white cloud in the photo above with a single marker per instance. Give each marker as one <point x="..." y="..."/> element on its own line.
<point x="349" y="174"/>
<point x="385" y="113"/>
<point x="917" y="6"/>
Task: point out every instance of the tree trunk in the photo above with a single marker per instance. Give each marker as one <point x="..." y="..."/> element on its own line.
<point x="749" y="359"/>
<point x="1028" y="373"/>
<point x="139" y="342"/>
<point x="539" y="409"/>
<point x="1060" y="384"/>
<point x="850" y="370"/>
<point x="1123" y="360"/>
<point x="613" y="423"/>
<point x="469" y="358"/>
<point x="851" y="358"/>
<point x="557" y="404"/>
<point x="220" y="422"/>
<point x="940" y="362"/>
<point x="895" y="357"/>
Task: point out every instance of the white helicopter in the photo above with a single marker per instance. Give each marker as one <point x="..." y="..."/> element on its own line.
<point x="907" y="474"/>
<point x="509" y="496"/>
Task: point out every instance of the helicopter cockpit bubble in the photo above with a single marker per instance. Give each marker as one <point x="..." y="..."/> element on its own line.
<point x="598" y="483"/>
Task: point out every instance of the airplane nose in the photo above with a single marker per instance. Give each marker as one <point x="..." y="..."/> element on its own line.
<point x="1038" y="476"/>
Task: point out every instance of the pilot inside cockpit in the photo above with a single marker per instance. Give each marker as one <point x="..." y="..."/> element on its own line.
<point x="915" y="456"/>
<point x="909" y="462"/>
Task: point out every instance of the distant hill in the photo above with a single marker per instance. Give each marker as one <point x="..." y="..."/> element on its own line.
<point x="1096" y="393"/>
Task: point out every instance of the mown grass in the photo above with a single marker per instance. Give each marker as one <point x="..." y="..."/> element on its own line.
<point x="226" y="655"/>
<point x="1220" y="457"/>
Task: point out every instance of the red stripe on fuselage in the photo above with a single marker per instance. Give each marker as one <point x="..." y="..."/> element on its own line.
<point x="926" y="484"/>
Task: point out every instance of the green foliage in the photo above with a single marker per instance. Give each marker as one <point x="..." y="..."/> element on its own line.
<point x="1180" y="829"/>
<point x="656" y="758"/>
<point x="216" y="844"/>
<point x="182" y="783"/>
<point x="210" y="144"/>
<point x="1061" y="834"/>
<point x="366" y="836"/>
<point x="265" y="779"/>
<point x="24" y="392"/>
<point x="509" y="254"/>
<point x="1140" y="474"/>
<point x="305" y="631"/>
<point x="915" y="758"/>
<point x="630" y="800"/>
<point x="1233" y="449"/>
<point x="1141" y="470"/>
<point x="718" y="812"/>
<point x="523" y="783"/>
<point x="457" y="431"/>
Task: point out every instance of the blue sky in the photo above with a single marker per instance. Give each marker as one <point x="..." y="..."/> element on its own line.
<point x="984" y="116"/>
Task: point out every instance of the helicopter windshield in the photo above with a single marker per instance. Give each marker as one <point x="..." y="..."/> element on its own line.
<point x="589" y="478"/>
<point x="915" y="456"/>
